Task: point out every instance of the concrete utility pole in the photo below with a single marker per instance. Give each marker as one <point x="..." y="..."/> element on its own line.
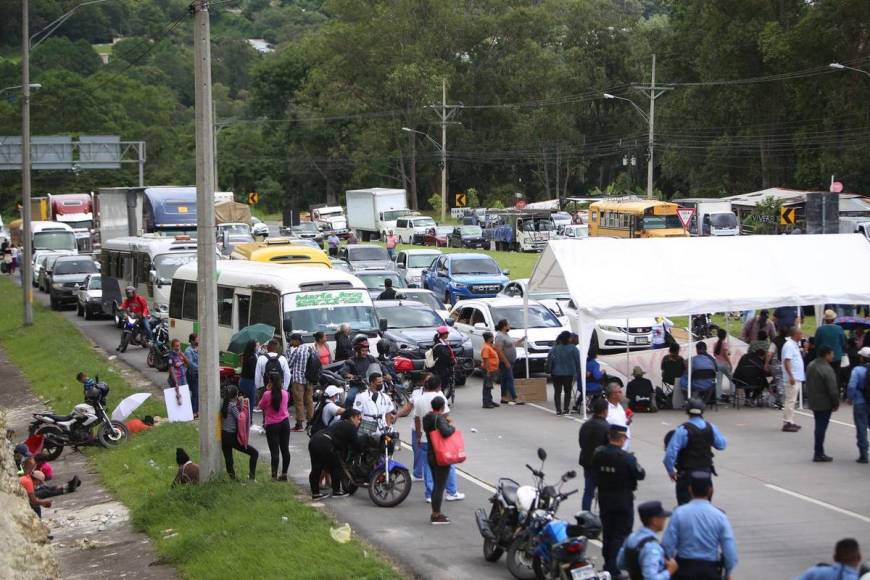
<point x="209" y="381"/>
<point x="27" y="253"/>
<point x="653" y="93"/>
<point x="445" y="113"/>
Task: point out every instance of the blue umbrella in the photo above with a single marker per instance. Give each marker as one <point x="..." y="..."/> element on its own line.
<point x="852" y="322"/>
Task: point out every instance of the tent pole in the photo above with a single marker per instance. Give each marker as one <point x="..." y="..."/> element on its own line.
<point x="526" y="329"/>
<point x="627" y="354"/>
<point x="691" y="345"/>
<point x="583" y="359"/>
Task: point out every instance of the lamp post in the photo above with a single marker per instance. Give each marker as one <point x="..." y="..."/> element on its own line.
<point x="838" y="66"/>
<point x="651" y="123"/>
<point x="441" y="148"/>
<point x="32" y="86"/>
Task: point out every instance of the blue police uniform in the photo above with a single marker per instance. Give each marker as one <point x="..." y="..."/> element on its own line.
<point x="836" y="571"/>
<point x="651" y="557"/>
<point x="696" y="533"/>
<point x="687" y="453"/>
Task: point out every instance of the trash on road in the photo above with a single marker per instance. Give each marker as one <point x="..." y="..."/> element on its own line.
<point x="341" y="534"/>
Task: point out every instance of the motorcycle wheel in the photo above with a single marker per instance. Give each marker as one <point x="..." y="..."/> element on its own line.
<point x="125" y="340"/>
<point x="151" y="359"/>
<point x="50" y="451"/>
<point x="541" y="571"/>
<point x="392" y="494"/>
<point x="519" y="560"/>
<point x="162" y="364"/>
<point x="112" y="436"/>
<point x="492" y="551"/>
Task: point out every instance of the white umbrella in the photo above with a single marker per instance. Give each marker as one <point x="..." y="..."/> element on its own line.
<point x="126" y="407"/>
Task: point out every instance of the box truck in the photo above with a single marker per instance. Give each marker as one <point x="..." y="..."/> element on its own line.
<point x="373" y="212"/>
<point x="713" y="217"/>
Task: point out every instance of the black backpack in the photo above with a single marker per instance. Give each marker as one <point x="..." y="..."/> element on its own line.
<point x="273" y="366"/>
<point x="632" y="558"/>
<point x="316" y="424"/>
<point x="313" y="367"/>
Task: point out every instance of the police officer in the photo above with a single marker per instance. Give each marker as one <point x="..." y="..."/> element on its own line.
<point x="642" y="555"/>
<point x="699" y="535"/>
<point x="617" y="473"/>
<point x="690" y="449"/>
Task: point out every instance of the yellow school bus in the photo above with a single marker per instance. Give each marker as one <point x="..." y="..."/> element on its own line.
<point x="635" y="218"/>
<point x="281" y="251"/>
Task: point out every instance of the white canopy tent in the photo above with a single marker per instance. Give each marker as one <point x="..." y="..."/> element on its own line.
<point x="622" y="278"/>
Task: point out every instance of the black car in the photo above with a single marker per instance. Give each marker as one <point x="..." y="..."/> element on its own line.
<point x="466" y="236"/>
<point x="408" y="329"/>
<point x="67" y="273"/>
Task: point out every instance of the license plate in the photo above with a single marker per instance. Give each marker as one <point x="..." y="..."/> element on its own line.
<point x="641" y="340"/>
<point x="584" y="573"/>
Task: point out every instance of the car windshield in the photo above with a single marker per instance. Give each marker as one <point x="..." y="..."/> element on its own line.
<point x="404" y="317"/>
<point x="539" y="316"/>
<point x="376" y="281"/>
<point x="420" y="260"/>
<point x="304" y="242"/>
<point x="310" y="312"/>
<point x="426" y="222"/>
<point x="661" y="222"/>
<point x="237" y="230"/>
<point x="475" y="266"/>
<point x="444" y="230"/>
<point x="426" y="298"/>
<point x="49" y="262"/>
<point x="81" y="225"/>
<point x="167" y="264"/>
<point x="562" y="216"/>
<point x="307" y="227"/>
<point x="393" y="215"/>
<point x="724" y="220"/>
<point x="373" y="253"/>
<point x="471" y="231"/>
<point x="95" y="283"/>
<point x="83" y="266"/>
<point x="56" y="240"/>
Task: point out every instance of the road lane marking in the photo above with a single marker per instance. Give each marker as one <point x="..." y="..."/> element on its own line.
<point x="843" y="423"/>
<point x="818" y="502"/>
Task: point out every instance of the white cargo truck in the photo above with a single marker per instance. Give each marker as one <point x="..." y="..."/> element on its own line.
<point x="713" y="217"/>
<point x="329" y="218"/>
<point x="371" y="213"/>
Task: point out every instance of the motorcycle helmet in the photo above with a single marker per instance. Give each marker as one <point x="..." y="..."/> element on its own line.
<point x="402" y="364"/>
<point x="360" y="341"/>
<point x="526" y="496"/>
<point x="129" y="291"/>
<point x="383" y="348"/>
<point x="260" y="229"/>
<point x="588" y="524"/>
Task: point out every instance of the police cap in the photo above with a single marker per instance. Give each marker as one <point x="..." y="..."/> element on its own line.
<point x="652" y="509"/>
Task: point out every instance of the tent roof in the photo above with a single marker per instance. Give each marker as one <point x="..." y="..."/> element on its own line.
<point x="621" y="278"/>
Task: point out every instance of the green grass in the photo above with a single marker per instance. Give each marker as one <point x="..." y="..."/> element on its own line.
<point x="735" y="326"/>
<point x="262" y="214"/>
<point x="220" y="530"/>
<point x="103" y="48"/>
<point x="520" y="264"/>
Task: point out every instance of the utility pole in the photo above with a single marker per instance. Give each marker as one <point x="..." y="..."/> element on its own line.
<point x="445" y="113"/>
<point x="209" y="382"/>
<point x="654" y="93"/>
<point x="27" y="253"/>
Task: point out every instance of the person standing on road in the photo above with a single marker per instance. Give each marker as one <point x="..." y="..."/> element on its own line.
<point x="846" y="566"/>
<point x="722" y="355"/>
<point x="642" y="554"/>
<point x="506" y="347"/>
<point x="593" y="434"/>
<point x="563" y="363"/>
<point x="391" y="242"/>
<point x="192" y="354"/>
<point x="271" y="362"/>
<point x="857" y="394"/>
<point x="276" y="420"/>
<point x="247" y="386"/>
<point x="660" y="331"/>
<point x="322" y="348"/>
<point x="760" y="322"/>
<point x="690" y="449"/>
<point x="699" y="536"/>
<point x="303" y="393"/>
<point x="230" y="411"/>
<point x="823" y="398"/>
<point x="832" y="335"/>
<point x="489" y="366"/>
<point x="437" y="420"/>
<point x="793" y="378"/>
<point x="616" y="414"/>
<point x="617" y="473"/>
<point x="332" y="242"/>
<point x="388" y="293"/>
<point x="445" y="360"/>
<point x="327" y="447"/>
<point x="423" y="406"/>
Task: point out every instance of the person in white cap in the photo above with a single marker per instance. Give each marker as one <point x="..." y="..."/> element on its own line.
<point x="857" y="393"/>
<point x="332" y="412"/>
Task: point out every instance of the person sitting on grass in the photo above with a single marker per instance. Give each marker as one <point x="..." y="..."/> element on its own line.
<point x="188" y="471"/>
<point x="139" y="425"/>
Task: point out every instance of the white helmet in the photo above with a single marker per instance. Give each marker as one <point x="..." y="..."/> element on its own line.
<point x="332" y="391"/>
<point x="526" y="496"/>
<point x="260" y="229"/>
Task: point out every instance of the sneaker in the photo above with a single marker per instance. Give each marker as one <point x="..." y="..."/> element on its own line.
<point x="297" y="427"/>
<point x="428" y="500"/>
<point x="511" y="403"/>
<point x="415" y="478"/>
<point x="822" y="459"/>
<point x="503" y="402"/>
<point x="318" y="496"/>
<point x="439" y="520"/>
<point x="862" y="459"/>
<point x="282" y="477"/>
<point x="519" y="402"/>
<point x="790" y="428"/>
<point x="454" y="497"/>
<point x="340" y="494"/>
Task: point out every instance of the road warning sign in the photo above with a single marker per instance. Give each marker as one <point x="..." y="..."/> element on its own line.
<point x="461" y="199"/>
<point x="787" y="216"/>
<point x="253" y="198"/>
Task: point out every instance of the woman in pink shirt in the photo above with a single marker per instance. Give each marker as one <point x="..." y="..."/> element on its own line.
<point x="276" y="419"/>
<point x="722" y="354"/>
<point x="322" y="349"/>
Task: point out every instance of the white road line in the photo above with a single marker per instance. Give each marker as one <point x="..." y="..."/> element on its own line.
<point x="552" y="412"/>
<point x="843" y="423"/>
<point x="820" y="503"/>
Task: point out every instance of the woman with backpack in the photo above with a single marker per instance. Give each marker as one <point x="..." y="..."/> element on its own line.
<point x="276" y="419"/>
<point x="231" y="411"/>
<point x="445" y="361"/>
<point x="247" y="386"/>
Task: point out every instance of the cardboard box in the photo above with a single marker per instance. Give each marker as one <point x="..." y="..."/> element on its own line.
<point x="532" y="390"/>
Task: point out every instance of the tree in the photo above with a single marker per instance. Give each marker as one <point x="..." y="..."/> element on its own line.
<point x="60" y="53"/>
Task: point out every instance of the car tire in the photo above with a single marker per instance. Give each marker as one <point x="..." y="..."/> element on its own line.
<point x="79" y="309"/>
<point x="88" y="314"/>
<point x="52" y="302"/>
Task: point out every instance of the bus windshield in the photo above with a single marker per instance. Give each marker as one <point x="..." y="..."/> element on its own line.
<point x="660" y="222"/>
<point x="54" y="240"/>
<point x="167" y="264"/>
<point x="325" y="311"/>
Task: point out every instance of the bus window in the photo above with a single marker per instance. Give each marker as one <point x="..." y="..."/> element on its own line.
<point x="188" y="308"/>
<point x="244" y="309"/>
<point x="265" y="307"/>
<point x="176" y="297"/>
<point x="225" y="306"/>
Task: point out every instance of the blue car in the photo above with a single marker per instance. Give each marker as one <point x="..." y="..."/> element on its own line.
<point x="455" y="277"/>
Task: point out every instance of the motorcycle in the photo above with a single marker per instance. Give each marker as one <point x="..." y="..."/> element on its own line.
<point x="703" y="327"/>
<point x="158" y="351"/>
<point x="508" y="516"/>
<point x="388" y="481"/>
<point x="132" y="332"/>
<point x="88" y="424"/>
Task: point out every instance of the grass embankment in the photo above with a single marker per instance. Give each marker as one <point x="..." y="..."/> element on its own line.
<point x="220" y="530"/>
<point x="520" y="264"/>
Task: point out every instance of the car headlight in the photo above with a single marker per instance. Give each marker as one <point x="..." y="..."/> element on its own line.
<point x="458" y="285"/>
<point x="57" y="285"/>
<point x="612" y="329"/>
<point x="467" y="345"/>
<point x="94" y="299"/>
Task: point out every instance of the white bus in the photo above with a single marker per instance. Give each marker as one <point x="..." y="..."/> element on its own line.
<point x="286" y="297"/>
<point x="146" y="263"/>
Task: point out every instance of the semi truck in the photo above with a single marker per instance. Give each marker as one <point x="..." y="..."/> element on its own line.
<point x="329" y="218"/>
<point x="73" y="209"/>
<point x="133" y="211"/>
<point x="372" y="213"/>
<point x="713" y="217"/>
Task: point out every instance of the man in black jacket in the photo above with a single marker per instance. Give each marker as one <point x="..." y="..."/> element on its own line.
<point x="593" y="434"/>
<point x="325" y="449"/>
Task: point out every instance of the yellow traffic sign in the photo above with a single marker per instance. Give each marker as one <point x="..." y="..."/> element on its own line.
<point x="787" y="216"/>
<point x="253" y="198"/>
<point x="461" y="199"/>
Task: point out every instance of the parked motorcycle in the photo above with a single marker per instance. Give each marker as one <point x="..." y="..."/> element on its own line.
<point x="388" y="481"/>
<point x="88" y="424"/>
<point x="132" y="332"/>
<point x="158" y="351"/>
<point x="703" y="327"/>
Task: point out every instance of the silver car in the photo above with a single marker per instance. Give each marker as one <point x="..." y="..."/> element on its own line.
<point x="89" y="297"/>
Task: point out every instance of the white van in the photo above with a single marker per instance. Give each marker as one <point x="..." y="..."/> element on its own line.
<point x="407" y="226"/>
<point x="288" y="298"/>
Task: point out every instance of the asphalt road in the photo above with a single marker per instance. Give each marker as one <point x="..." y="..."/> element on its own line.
<point x="787" y="512"/>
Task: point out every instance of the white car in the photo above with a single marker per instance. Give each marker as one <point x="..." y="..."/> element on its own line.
<point x="610" y="334"/>
<point x="474" y="317"/>
<point x="411" y="263"/>
<point x="575" y="232"/>
<point x="407" y="226"/>
<point x="426" y="297"/>
<point x="561" y="219"/>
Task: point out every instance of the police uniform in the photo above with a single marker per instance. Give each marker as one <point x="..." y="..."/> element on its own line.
<point x="374" y="407"/>
<point x="642" y="555"/>
<point x="690" y="450"/>
<point x="617" y="473"/>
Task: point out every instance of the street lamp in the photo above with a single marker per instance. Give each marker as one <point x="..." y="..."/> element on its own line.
<point x="31" y="85"/>
<point x="838" y="66"/>
<point x="441" y="148"/>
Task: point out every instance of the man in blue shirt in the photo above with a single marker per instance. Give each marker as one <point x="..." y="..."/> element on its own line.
<point x="860" y="404"/>
<point x="703" y="372"/>
<point x="642" y="555"/>
<point x="700" y="537"/>
<point x="690" y="449"/>
<point x="847" y="559"/>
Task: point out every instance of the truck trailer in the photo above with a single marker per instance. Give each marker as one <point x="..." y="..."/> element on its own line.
<point x="372" y="213"/>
